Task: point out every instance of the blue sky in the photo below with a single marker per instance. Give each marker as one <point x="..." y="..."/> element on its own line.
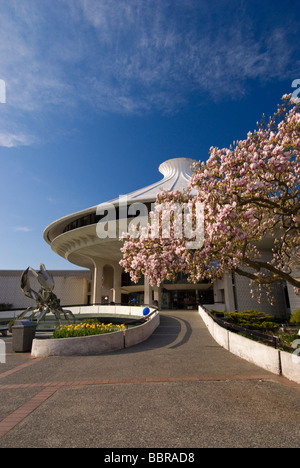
<point x="100" y="92"/>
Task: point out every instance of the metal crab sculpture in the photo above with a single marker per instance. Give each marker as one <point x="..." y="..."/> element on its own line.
<point x="46" y="301"/>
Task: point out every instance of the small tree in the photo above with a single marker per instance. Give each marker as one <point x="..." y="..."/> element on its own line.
<point x="251" y="197"/>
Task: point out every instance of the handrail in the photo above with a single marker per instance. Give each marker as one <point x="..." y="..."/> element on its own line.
<point x="142" y="319"/>
<point x="87" y="305"/>
<point x="236" y="329"/>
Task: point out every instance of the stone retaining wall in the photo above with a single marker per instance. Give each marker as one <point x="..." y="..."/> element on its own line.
<point x="96" y="344"/>
<point x="273" y="360"/>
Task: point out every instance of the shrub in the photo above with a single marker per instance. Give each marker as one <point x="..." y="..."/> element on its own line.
<point x="10" y="325"/>
<point x="295" y="317"/>
<point x="251" y="319"/>
<point x="287" y="339"/>
<point x="215" y="312"/>
<point x="87" y="328"/>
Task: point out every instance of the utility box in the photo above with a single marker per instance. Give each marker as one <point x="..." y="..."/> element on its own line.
<point x="23" y="333"/>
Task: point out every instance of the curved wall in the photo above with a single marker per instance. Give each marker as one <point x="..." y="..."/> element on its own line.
<point x="273" y="360"/>
<point x="99" y="344"/>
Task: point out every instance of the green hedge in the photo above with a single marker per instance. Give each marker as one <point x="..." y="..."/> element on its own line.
<point x="295" y="317"/>
<point x="251" y="319"/>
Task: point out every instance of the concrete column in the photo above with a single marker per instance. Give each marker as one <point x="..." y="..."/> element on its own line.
<point x="219" y="293"/>
<point x="157" y="296"/>
<point x="229" y="293"/>
<point x="148" y="292"/>
<point x="224" y="293"/>
<point x="117" y="284"/>
<point x="97" y="281"/>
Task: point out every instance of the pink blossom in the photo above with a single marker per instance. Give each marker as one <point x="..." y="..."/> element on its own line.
<point x="248" y="191"/>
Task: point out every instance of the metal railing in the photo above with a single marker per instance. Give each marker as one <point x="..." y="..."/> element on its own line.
<point x="135" y="321"/>
<point x="269" y="339"/>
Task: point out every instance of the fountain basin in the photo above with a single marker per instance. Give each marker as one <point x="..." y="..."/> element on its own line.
<point x="97" y="344"/>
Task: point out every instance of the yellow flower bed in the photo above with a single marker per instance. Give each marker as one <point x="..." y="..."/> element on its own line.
<point x="85" y="329"/>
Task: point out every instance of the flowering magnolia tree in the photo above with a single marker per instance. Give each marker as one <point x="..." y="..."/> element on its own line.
<point x="250" y="194"/>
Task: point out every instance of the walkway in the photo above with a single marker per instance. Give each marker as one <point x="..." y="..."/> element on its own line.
<point x="179" y="389"/>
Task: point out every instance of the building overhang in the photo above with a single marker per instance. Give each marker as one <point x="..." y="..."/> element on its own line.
<point x="177" y="173"/>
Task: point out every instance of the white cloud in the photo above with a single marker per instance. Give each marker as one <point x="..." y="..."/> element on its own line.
<point x="51" y="200"/>
<point x="132" y="57"/>
<point x="22" y="229"/>
<point x="184" y="46"/>
<point x="9" y="140"/>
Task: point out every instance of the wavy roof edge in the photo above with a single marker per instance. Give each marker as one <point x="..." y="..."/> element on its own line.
<point x="177" y="173"/>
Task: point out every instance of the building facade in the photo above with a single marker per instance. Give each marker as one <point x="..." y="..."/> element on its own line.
<point x="72" y="287"/>
<point x="89" y="239"/>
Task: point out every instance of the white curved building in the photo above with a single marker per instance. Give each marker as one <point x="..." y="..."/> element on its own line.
<point x="75" y="237"/>
<point x="90" y="239"/>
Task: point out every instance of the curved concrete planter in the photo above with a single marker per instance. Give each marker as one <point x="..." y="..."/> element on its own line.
<point x="142" y="332"/>
<point x="80" y="346"/>
<point x="273" y="360"/>
<point x="96" y="344"/>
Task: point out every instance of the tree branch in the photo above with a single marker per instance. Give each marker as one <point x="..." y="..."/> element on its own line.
<point x="276" y="275"/>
